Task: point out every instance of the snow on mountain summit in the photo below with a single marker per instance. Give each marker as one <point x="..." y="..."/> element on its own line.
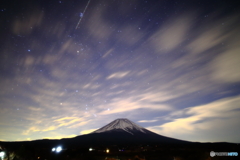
<point x="121" y="124"/>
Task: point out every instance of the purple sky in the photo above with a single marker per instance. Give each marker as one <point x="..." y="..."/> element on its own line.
<point x="169" y="66"/>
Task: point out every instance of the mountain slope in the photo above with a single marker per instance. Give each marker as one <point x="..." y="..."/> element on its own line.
<point x="123" y="131"/>
<point x="118" y="132"/>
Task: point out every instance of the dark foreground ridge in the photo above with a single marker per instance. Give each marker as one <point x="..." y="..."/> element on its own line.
<point x="120" y="138"/>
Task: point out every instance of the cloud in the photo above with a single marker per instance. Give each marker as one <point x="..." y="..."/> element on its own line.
<point x="172" y="34"/>
<point x="98" y="26"/>
<point x="34" y="109"/>
<point x="118" y="75"/>
<point x="87" y="131"/>
<point x="69" y="47"/>
<point x="130" y="104"/>
<point x="55" y="125"/>
<point x="206" y="40"/>
<point x="226" y="66"/>
<point x="26" y="25"/>
<point x="61" y="136"/>
<point x="216" y="121"/>
<point x="147" y="121"/>
<point x="29" y="61"/>
<point x="133" y="32"/>
<point x="32" y="129"/>
<point x="39" y="129"/>
<point x="91" y="86"/>
<point x="70" y="121"/>
<point x="108" y="52"/>
<point x="156" y="97"/>
<point x="49" y="129"/>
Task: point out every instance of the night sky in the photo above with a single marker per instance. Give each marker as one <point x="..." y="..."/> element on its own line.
<point x="169" y="66"/>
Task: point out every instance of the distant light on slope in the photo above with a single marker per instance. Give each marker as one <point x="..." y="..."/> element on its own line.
<point x="59" y="149"/>
<point x="2" y="154"/>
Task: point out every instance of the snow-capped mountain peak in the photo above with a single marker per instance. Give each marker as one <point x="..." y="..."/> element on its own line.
<point x="121" y="124"/>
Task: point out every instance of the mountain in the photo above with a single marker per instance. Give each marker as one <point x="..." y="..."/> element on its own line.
<point x="119" y="132"/>
<point x="123" y="125"/>
<point x="124" y="131"/>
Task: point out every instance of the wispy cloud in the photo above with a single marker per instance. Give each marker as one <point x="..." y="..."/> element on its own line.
<point x="87" y="131"/>
<point x="26" y="25"/>
<point x="118" y="75"/>
<point x="147" y="121"/>
<point x="172" y="34"/>
<point x="209" y="122"/>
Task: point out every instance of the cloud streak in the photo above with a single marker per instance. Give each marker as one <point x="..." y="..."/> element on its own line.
<point x="206" y="122"/>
